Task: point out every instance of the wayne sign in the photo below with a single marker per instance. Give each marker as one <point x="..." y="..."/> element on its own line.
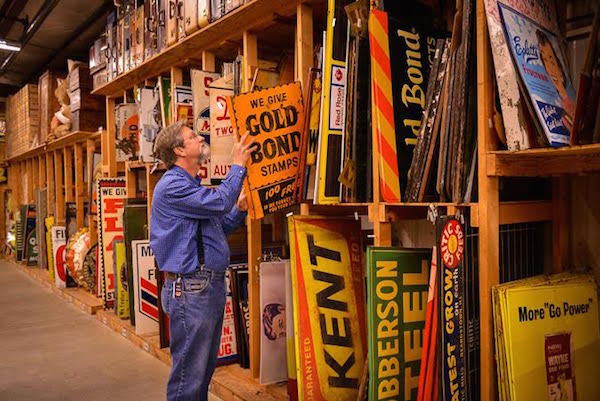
<point x="274" y="118"/>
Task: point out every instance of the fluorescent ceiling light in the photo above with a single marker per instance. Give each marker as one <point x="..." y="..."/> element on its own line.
<point x="11" y="46"/>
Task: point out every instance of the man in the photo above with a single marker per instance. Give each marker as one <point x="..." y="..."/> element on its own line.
<point x="188" y="229"/>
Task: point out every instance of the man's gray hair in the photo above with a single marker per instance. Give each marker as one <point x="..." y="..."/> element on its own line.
<point x="166" y="141"/>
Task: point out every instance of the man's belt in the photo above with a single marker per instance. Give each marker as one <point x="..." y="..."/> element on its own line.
<point x="175" y="276"/>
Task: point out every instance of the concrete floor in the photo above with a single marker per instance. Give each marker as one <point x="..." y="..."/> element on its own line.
<point x="51" y="351"/>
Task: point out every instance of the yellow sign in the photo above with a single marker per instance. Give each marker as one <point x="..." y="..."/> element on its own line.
<point x="548" y="319"/>
<point x="274" y="118"/>
<point x="329" y="311"/>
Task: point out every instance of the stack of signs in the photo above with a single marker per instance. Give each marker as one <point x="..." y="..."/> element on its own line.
<point x="544" y="72"/>
<point x="514" y="107"/>
<point x="239" y="283"/>
<point x="333" y="103"/>
<point x="127" y="128"/>
<point x="201" y="81"/>
<point x="183" y="105"/>
<point x="329" y="316"/>
<point x="554" y="322"/>
<point x="144" y="288"/>
<point x="120" y="274"/>
<point x="451" y="245"/>
<point x="150" y="122"/>
<point x="221" y="130"/>
<point x="273" y="358"/>
<point x="228" y="350"/>
<point x="111" y="198"/>
<point x="292" y="381"/>
<point x="49" y="249"/>
<point x="397" y="286"/>
<point x="59" y="242"/>
<point x="274" y="118"/>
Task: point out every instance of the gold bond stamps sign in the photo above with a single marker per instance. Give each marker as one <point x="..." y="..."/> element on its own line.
<point x="328" y="300"/>
<point x="397" y="287"/>
<point x="274" y="118"/>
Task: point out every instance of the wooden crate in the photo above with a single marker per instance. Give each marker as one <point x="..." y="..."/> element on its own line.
<point x="22" y="120"/>
<point x="82" y="99"/>
<point x="87" y="120"/>
<point x="80" y="78"/>
<point x="48" y="103"/>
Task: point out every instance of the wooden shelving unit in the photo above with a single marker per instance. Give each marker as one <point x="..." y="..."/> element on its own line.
<point x="247" y="27"/>
<point x="57" y="166"/>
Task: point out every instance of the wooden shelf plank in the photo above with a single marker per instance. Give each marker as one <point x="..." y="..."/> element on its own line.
<point x="518" y="212"/>
<point x="252" y="16"/>
<point x="544" y="162"/>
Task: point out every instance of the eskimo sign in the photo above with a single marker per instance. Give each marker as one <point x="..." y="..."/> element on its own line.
<point x="274" y="118"/>
<point x="111" y="198"/>
<point x="328" y="307"/>
<point x="397" y="291"/>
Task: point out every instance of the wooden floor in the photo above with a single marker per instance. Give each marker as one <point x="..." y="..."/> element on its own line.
<point x="229" y="382"/>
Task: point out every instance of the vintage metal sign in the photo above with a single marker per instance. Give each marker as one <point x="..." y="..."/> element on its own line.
<point x="274" y="118"/>
<point x="328" y="307"/>
<point x="150" y="122"/>
<point x="120" y="272"/>
<point x="201" y="81"/>
<point x="111" y="199"/>
<point x="221" y="130"/>
<point x="451" y="246"/>
<point x="397" y="282"/>
<point x="127" y="128"/>
<point x="228" y="350"/>
<point x="59" y="242"/>
<point x="144" y="288"/>
<point x="273" y="364"/>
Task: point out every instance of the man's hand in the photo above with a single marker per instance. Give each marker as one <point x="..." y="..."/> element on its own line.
<point x="242" y="202"/>
<point x="241" y="150"/>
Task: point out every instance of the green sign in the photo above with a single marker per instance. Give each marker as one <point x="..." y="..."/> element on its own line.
<point x="398" y="283"/>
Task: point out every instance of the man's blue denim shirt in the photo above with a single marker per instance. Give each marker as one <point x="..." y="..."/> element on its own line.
<point x="179" y="204"/>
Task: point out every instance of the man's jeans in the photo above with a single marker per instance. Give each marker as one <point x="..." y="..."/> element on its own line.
<point x="195" y="322"/>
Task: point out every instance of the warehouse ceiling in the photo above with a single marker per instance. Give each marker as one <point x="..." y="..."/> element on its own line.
<point x="50" y="31"/>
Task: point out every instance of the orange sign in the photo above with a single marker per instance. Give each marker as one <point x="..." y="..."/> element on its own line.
<point x="274" y="118"/>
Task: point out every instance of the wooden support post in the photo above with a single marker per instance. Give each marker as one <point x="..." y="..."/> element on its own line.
<point x="50" y="187"/>
<point x="90" y="149"/>
<point x="208" y="61"/>
<point x="250" y="50"/>
<point x="254" y="228"/>
<point x="68" y="177"/>
<point x="79" y="186"/>
<point x="35" y="171"/>
<point x="489" y="241"/>
<point x="176" y="80"/>
<point x="29" y="174"/>
<point x="130" y="182"/>
<point x="109" y="147"/>
<point x="42" y="171"/>
<point x="2" y="213"/>
<point x="59" y="216"/>
<point x="151" y="180"/>
<point x="561" y="207"/>
<point x="304" y="41"/>
<point x="254" y="258"/>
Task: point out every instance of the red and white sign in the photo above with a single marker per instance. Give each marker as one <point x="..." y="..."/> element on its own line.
<point x="111" y="199"/>
<point x="144" y="288"/>
<point x="201" y="81"/>
<point x="221" y="129"/>
<point x="59" y="243"/>
<point x="452" y="244"/>
<point x="228" y="351"/>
